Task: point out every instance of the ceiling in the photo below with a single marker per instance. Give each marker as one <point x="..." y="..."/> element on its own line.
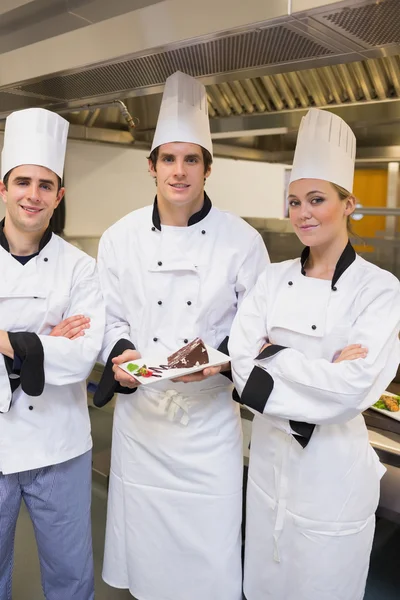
<point x="261" y="77"/>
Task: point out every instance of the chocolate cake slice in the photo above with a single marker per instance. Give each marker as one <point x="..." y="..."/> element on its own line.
<point x="192" y="355"/>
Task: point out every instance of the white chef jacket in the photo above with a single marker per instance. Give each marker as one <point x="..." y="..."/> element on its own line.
<point x="313" y="477"/>
<point x="174" y="507"/>
<point x="59" y="282"/>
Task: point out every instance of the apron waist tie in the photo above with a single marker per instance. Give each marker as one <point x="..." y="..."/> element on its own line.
<point x="175" y="407"/>
<point x="283" y="488"/>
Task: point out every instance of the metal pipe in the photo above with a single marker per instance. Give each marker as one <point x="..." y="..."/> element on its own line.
<point x="285" y="90"/>
<point x="92" y="108"/>
<point x="393" y="70"/>
<point x="127" y="116"/>
<point x="91" y="118"/>
<point x="242" y="96"/>
<point x="254" y="95"/>
<point x="263" y="94"/>
<point x="378" y="78"/>
<point x="378" y="210"/>
<point x="391" y="196"/>
<point x="272" y="91"/>
<point x="211" y="109"/>
<point x="298" y="89"/>
<point x="348" y="82"/>
<point x="315" y="87"/>
<point x="231" y="98"/>
<point x="362" y="78"/>
<point x="219" y="101"/>
<point x="333" y="85"/>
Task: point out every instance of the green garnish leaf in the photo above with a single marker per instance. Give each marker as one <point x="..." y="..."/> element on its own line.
<point x="380" y="404"/>
<point x="132" y="367"/>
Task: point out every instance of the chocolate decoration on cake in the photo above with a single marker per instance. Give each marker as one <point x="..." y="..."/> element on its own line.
<point x="193" y="354"/>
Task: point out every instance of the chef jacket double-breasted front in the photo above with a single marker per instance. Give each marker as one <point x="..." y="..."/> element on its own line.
<point x="59" y="282"/>
<point x="313" y="478"/>
<point x="174" y="509"/>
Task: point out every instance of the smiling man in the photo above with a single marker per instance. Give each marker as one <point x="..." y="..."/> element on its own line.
<point x="172" y="272"/>
<point x="49" y="295"/>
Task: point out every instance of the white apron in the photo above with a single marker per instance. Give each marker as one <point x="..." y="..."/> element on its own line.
<point x="310" y="511"/>
<point x="175" y="498"/>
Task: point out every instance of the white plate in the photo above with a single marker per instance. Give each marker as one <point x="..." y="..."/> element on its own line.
<point x="393" y="415"/>
<point x="216" y="358"/>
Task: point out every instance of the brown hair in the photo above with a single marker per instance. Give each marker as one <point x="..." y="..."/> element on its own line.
<point x="207" y="158"/>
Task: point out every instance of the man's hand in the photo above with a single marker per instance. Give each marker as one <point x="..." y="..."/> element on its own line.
<point x="119" y="374"/>
<point x="351" y="353"/>
<point x="201" y="375"/>
<point x="71" y="328"/>
<point x="5" y="346"/>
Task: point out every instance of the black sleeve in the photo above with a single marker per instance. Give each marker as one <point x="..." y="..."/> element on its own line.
<point x="28" y="347"/>
<point x="108" y="386"/>
<point x="223" y="347"/>
<point x="258" y="389"/>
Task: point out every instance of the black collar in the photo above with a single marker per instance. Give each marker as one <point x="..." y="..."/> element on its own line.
<point x="4" y="242"/>
<point x="196" y="218"/>
<point x="347" y="257"/>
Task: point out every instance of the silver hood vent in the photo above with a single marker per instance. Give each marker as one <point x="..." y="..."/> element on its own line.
<point x="343" y="32"/>
<point x="260" y="75"/>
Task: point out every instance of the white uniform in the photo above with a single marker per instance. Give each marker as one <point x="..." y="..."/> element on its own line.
<point x="313" y="492"/>
<point x="174" y="508"/>
<point x="54" y="427"/>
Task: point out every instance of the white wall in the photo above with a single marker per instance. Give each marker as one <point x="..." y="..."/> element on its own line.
<point x="104" y="182"/>
<point x="249" y="189"/>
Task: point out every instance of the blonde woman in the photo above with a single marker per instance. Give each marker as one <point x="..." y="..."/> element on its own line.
<point x="327" y="324"/>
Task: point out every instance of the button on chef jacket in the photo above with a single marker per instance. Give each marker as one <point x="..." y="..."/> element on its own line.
<point x="174" y="510"/>
<point x="314" y="478"/>
<point x="53" y="427"/>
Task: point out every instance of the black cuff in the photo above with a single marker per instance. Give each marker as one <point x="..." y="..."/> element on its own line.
<point x="270" y="351"/>
<point x="257" y="389"/>
<point x="223" y="347"/>
<point x="29" y="348"/>
<point x="108" y="386"/>
<point x="303" y="431"/>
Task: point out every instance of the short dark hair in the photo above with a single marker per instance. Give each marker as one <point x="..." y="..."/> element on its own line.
<point x="7" y="177"/>
<point x="207" y="158"/>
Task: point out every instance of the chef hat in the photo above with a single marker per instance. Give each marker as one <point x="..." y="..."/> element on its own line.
<point x="184" y="113"/>
<point x="34" y="136"/>
<point x="325" y="149"/>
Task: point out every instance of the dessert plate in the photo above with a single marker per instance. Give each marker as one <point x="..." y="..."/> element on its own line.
<point x="156" y="362"/>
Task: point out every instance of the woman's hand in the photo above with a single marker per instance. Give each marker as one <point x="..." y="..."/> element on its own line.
<point x="351" y="352"/>
<point x="265" y="346"/>
<point x="71" y="328"/>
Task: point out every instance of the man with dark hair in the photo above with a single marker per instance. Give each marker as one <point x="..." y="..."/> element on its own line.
<point x="46" y="352"/>
<point x="172" y="272"/>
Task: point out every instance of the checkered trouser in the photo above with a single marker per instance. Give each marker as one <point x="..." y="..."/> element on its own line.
<point x="58" y="501"/>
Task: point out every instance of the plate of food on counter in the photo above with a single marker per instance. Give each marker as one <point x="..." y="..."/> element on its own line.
<point x="191" y="358"/>
<point x="388" y="404"/>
